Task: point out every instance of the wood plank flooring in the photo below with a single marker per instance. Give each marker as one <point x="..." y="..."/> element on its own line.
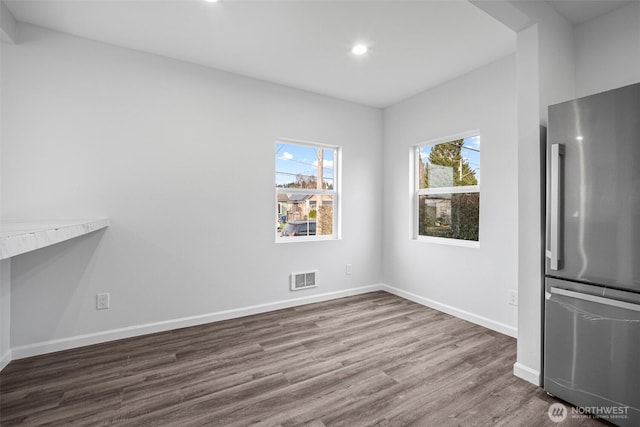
<point x="368" y="360"/>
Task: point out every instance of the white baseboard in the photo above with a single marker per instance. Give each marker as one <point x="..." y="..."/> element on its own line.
<point x="5" y="359"/>
<point x="474" y="318"/>
<point x="526" y="373"/>
<point x="150" y="328"/>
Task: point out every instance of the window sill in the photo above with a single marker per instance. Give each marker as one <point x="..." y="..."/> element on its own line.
<point x="306" y="239"/>
<point x="450" y="242"/>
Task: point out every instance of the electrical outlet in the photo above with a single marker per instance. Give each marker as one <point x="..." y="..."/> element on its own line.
<point x="513" y="297"/>
<point x="348" y="269"/>
<point x="102" y="301"/>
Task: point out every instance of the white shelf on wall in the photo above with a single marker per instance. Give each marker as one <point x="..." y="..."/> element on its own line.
<point x="19" y="237"/>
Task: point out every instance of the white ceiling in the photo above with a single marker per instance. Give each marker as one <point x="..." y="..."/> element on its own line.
<point x="414" y="45"/>
<point x="581" y="11"/>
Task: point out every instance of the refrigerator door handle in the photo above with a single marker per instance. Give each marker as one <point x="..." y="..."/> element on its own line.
<point x="594" y="298"/>
<point x="555" y="202"/>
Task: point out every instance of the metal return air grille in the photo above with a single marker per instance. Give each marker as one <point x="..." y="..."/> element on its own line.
<point x="304" y="280"/>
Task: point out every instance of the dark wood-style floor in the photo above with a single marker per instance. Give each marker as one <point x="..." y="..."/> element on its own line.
<point x="372" y="359"/>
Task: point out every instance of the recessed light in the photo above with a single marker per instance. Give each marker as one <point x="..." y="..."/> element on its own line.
<point x="359" y="49"/>
<point x="579" y="137"/>
<point x="212" y="1"/>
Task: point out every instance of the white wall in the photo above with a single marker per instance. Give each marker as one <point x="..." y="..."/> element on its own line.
<point x="470" y="282"/>
<point x="545" y="76"/>
<point x="8" y="25"/>
<point x="556" y="61"/>
<point x="5" y="313"/>
<point x="529" y="207"/>
<point x="180" y="158"/>
<point x="608" y="51"/>
<point x="8" y="30"/>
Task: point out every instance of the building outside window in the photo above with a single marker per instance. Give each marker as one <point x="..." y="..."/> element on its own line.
<point x="306" y="191"/>
<point x="447" y="189"/>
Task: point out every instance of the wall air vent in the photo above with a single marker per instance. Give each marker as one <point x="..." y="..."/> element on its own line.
<point x="304" y="280"/>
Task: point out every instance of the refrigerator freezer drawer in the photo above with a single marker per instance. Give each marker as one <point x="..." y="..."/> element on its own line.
<point x="592" y="350"/>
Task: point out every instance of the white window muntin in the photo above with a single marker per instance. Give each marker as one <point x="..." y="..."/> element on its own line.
<point x="450" y="190"/>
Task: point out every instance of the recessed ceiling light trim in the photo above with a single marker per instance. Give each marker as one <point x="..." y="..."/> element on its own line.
<point x="359" y="49"/>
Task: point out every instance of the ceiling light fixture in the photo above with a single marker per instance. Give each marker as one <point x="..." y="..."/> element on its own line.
<point x="211" y="1"/>
<point x="359" y="49"/>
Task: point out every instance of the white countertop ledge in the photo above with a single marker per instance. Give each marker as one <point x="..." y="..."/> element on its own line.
<point x="18" y="237"/>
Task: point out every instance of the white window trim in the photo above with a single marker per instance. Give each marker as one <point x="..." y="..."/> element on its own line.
<point x="335" y="193"/>
<point x="417" y="192"/>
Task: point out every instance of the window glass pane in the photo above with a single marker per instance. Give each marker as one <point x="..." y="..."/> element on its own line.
<point x="301" y="166"/>
<point x="305" y="215"/>
<point x="450" y="164"/>
<point x="453" y="216"/>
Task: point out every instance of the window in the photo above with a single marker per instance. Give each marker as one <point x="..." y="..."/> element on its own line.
<point x="447" y="189"/>
<point x="306" y="191"/>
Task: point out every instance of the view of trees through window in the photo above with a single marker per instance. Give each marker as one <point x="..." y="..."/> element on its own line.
<point x="305" y="189"/>
<point x="447" y="189"/>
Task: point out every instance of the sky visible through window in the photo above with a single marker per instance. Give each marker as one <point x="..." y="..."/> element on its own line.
<point x="470" y="152"/>
<point x="294" y="161"/>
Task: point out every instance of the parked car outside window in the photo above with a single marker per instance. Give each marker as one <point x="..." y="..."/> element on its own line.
<point x="299" y="228"/>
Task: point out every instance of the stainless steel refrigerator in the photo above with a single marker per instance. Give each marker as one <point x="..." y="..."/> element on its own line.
<point x="592" y="271"/>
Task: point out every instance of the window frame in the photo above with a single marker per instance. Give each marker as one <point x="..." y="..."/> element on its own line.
<point x="335" y="192"/>
<point x="417" y="192"/>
